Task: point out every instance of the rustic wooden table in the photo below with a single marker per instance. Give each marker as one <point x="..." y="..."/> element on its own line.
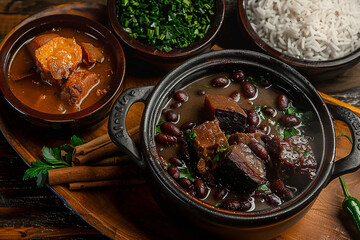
<point x="28" y="212"/>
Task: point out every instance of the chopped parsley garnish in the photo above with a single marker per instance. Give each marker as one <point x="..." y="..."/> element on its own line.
<point x="258" y="110"/>
<point x="191" y="137"/>
<point x="166" y="24"/>
<point x="53" y="158"/>
<point x="263" y="188"/>
<point x="217" y="204"/>
<point x="306" y="154"/>
<point x="205" y="86"/>
<point x="157" y="128"/>
<point x="256" y="80"/>
<point x="216" y="158"/>
<point x="285" y="132"/>
<point x="186" y="173"/>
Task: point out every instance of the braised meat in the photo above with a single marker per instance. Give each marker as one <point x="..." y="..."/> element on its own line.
<point x="241" y="169"/>
<point x="245" y="138"/>
<point x="231" y="116"/>
<point x="57" y="58"/>
<point x="294" y="154"/>
<point x="78" y="85"/>
<point x="91" y="54"/>
<point x="209" y="139"/>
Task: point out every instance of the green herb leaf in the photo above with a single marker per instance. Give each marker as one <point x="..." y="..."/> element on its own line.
<point x="54" y="158"/>
<point x="76" y="141"/>
<point x="306" y="154"/>
<point x="290" y="132"/>
<point x="52" y="155"/>
<point x="263" y="188"/>
<point x="191" y="137"/>
<point x="157" y="128"/>
<point x="260" y="113"/>
<point x="217" y="204"/>
<point x="186" y="173"/>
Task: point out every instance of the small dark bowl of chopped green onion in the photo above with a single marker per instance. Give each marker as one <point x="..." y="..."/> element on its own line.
<point x="166" y="33"/>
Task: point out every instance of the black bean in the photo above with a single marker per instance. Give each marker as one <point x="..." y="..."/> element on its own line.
<point x="220" y="82"/>
<point x="265" y="138"/>
<point x="250" y="129"/>
<point x="171" y="116"/>
<point x="185" y="183"/>
<point x="238" y="76"/>
<point x="252" y="117"/>
<point x="230" y="204"/>
<point x="259" y="150"/>
<point x="287" y="194"/>
<point x="181" y="96"/>
<point x="249" y="89"/>
<point x="176" y="105"/>
<point x="220" y="193"/>
<point x="176" y="161"/>
<point x="170" y="128"/>
<point x="174" y="172"/>
<point x="265" y="83"/>
<point x="187" y="125"/>
<point x="181" y="140"/>
<point x="192" y="192"/>
<point x="269" y="111"/>
<point x="183" y="153"/>
<point x="236" y="96"/>
<point x="289" y="121"/>
<point x="165" y="139"/>
<point x="273" y="199"/>
<point x="283" y="102"/>
<point x="279" y="187"/>
<point x="201" y="92"/>
<point x="164" y="111"/>
<point x="245" y="205"/>
<point x="200" y="188"/>
<point x="266" y="129"/>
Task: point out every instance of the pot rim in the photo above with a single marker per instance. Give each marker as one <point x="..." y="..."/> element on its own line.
<point x="151" y="156"/>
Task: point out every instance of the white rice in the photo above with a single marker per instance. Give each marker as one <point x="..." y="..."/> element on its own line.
<point x="308" y="29"/>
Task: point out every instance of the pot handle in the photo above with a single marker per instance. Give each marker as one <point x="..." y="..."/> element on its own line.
<point x="350" y="163"/>
<point x="117" y="121"/>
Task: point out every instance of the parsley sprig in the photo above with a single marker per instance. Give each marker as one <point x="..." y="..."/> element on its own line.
<point x="53" y="158"/>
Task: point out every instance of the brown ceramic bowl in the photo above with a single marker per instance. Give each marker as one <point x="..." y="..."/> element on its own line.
<point x="313" y="70"/>
<point x="82" y="118"/>
<point x="162" y="59"/>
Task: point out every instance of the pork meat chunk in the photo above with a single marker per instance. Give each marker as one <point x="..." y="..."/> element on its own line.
<point x="78" y="85"/>
<point x="209" y="139"/>
<point x="231" y="116"/>
<point x="241" y="169"/>
<point x="56" y="59"/>
<point x="91" y="54"/>
<point x="245" y="138"/>
<point x="292" y="154"/>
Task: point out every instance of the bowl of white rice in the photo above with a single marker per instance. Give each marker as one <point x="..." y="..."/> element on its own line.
<point x="321" y="38"/>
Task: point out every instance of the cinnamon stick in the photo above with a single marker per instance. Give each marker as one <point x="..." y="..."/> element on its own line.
<point x="97" y="148"/>
<point x="90" y="173"/>
<point x="112" y="161"/>
<point x="106" y="183"/>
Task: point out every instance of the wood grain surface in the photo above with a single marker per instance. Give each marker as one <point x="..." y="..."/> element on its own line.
<point x="28" y="212"/>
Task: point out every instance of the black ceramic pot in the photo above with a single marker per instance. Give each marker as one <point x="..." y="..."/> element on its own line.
<point x="257" y="225"/>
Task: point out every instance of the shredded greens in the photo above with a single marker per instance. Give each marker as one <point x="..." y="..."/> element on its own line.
<point x="166" y="24"/>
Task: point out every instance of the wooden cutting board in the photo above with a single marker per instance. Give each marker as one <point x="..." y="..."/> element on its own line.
<point x="131" y="212"/>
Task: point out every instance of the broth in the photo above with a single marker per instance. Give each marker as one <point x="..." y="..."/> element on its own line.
<point x="45" y="97"/>
<point x="280" y="184"/>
